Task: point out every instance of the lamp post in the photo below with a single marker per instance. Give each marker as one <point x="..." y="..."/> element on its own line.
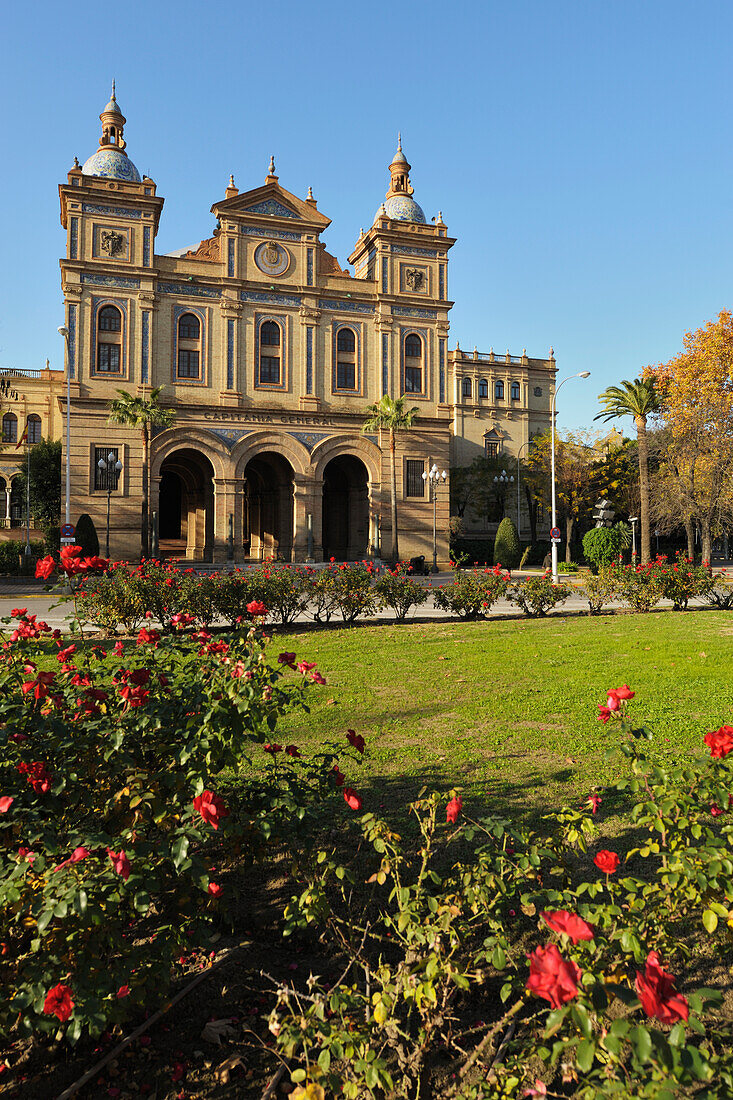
<point x="27" y="493"/>
<point x="63" y="331"/>
<point x="581" y="374"/>
<point x="110" y="471"/>
<point x="434" y="478"/>
<point x="502" y="479"/>
<point x="633" y="520"/>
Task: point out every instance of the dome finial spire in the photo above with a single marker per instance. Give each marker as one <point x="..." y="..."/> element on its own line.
<point x="113" y="87"/>
<point x="271" y="176"/>
<point x="110" y="159"/>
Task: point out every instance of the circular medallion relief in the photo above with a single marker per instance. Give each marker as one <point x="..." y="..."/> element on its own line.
<point x="272" y="258"/>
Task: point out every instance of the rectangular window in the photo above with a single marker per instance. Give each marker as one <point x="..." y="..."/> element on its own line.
<point x="269" y="370"/>
<point x="492" y="449"/>
<point x="101" y="473"/>
<point x="413" y="379"/>
<point x="414" y="481"/>
<point x="345" y="376"/>
<point x="188" y="363"/>
<point x="108" y="358"/>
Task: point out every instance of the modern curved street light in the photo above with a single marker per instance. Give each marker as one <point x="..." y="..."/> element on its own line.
<point x="581" y="374"/>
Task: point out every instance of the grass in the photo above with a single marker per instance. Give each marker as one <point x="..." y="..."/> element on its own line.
<point x="507" y="710"/>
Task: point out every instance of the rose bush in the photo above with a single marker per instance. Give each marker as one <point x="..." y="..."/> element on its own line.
<point x="591" y="952"/>
<point x="395" y="589"/>
<point x="473" y="593"/>
<point x="111" y="806"/>
<point x="538" y="595"/>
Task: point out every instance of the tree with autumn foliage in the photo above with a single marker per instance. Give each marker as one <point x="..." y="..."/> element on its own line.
<point x="696" y="392"/>
<point x="577" y="458"/>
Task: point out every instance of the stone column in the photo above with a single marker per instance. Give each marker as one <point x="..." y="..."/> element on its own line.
<point x="307" y="498"/>
<point x="8" y="493"/>
<point x="224" y="506"/>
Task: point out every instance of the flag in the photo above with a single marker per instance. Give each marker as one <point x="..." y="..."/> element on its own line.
<point x="22" y="438"/>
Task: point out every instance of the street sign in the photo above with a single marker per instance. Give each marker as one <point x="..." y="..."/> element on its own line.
<point x="67" y="531"/>
<point x="555" y="534"/>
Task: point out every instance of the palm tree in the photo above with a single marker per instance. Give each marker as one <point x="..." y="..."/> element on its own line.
<point x="142" y="413"/>
<point x="392" y="416"/>
<point x="638" y="399"/>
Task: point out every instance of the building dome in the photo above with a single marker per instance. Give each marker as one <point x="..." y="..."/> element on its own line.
<point x="113" y="164"/>
<point x="402" y="208"/>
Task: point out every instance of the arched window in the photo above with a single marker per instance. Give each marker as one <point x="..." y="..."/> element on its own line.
<point x="33" y="425"/>
<point x="189" y="347"/>
<point x="515" y="391"/>
<point x="413" y="364"/>
<point x="466" y="387"/>
<point x="345" y="359"/>
<point x="10" y="428"/>
<point x="270" y="365"/>
<point x="483" y="388"/>
<point x="498" y="391"/>
<point x="109" y="340"/>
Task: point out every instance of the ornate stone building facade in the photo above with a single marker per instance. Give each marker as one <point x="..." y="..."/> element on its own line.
<point x="270" y="352"/>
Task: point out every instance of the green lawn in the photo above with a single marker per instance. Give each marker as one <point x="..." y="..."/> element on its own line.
<point x="507" y="709"/>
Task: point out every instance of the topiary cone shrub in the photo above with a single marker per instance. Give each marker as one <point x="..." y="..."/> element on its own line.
<point x="507" y="551"/>
<point x="602" y="546"/>
<point x="86" y="536"/>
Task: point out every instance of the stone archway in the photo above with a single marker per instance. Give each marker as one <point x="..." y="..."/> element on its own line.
<point x="345" y="509"/>
<point x="268" y="519"/>
<point x="186" y="505"/>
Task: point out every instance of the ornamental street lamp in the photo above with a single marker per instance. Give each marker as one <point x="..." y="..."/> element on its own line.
<point x="434" y="479"/>
<point x="633" y="520"/>
<point x="519" y="478"/>
<point x="500" y="482"/>
<point x="581" y="374"/>
<point x="109" y="476"/>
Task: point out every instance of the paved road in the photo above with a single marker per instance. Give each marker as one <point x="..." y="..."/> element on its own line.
<point x="58" y="615"/>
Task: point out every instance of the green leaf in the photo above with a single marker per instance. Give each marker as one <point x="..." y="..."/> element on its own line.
<point x="80" y="902"/>
<point x="641" y="1041"/>
<point x="710" y="920"/>
<point x="297" y="1076"/>
<point x="179" y="851"/>
<point x="585" y="1055"/>
<point x="45" y="919"/>
<point x="498" y="958"/>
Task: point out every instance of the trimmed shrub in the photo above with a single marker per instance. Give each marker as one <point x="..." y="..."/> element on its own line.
<point x="681" y="581"/>
<point x="507" y="551"/>
<point x="86" y="536"/>
<point x="640" y="586"/>
<point x="601" y="546"/>
<point x="599" y="589"/>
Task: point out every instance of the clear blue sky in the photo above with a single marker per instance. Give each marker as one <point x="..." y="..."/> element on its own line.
<point x="581" y="153"/>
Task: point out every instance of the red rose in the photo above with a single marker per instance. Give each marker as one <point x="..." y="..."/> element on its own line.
<point x="215" y="890"/>
<point x="352" y="799"/>
<point x="570" y="924"/>
<point x="292" y="750"/>
<point x="622" y="693"/>
<point x="552" y="977"/>
<point x="6" y="802"/>
<point x="120" y="862"/>
<point x="123" y="991"/>
<point x="356" y="740"/>
<point x="287" y="659"/>
<point x="338" y="775"/>
<point x="607" y="861"/>
<point x="720" y="742"/>
<point x="58" y="1002"/>
<point x="273" y="749"/>
<point x="657" y="992"/>
<point x="45" y="567"/>
<point x="145" y="637"/>
<point x="211" y="807"/>
<point x="453" y="809"/>
<point x="603" y="714"/>
<point x="256" y="607"/>
<point x="76" y="856"/>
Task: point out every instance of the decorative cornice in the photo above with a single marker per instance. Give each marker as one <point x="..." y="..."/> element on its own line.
<point x="277" y="234"/>
<point x="349" y="307"/>
<point x="271" y="299"/>
<point x="190" y="290"/>
<point x="111" y="280"/>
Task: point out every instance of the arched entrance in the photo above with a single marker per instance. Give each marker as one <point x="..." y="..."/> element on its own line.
<point x="345" y="509"/>
<point x="268" y="512"/>
<point x="186" y="506"/>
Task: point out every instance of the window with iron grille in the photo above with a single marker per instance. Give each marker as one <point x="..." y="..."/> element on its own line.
<point x="10" y="428"/>
<point x="189" y="327"/>
<point x="33" y="426"/>
<point x="105" y="477"/>
<point x="110" y="319"/>
<point x="345" y="376"/>
<point x="492" y="449"/>
<point x="414" y="483"/>
<point x="108" y="358"/>
<point x="269" y="370"/>
<point x="188" y="363"/>
<point x="346" y="341"/>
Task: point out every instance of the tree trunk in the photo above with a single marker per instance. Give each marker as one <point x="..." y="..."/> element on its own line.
<point x="707" y="543"/>
<point x="569" y="523"/>
<point x="690" y="533"/>
<point x="532" y="513"/>
<point x="640" y="422"/>
<point x="144" y="539"/>
<point x="393" y="488"/>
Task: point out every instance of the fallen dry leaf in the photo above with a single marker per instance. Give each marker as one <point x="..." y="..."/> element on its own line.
<point x="225" y="1068"/>
<point x="216" y="1030"/>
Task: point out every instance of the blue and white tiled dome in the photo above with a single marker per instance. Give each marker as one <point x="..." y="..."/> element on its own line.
<point x="114" y="164"/>
<point x="402" y="208"/>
